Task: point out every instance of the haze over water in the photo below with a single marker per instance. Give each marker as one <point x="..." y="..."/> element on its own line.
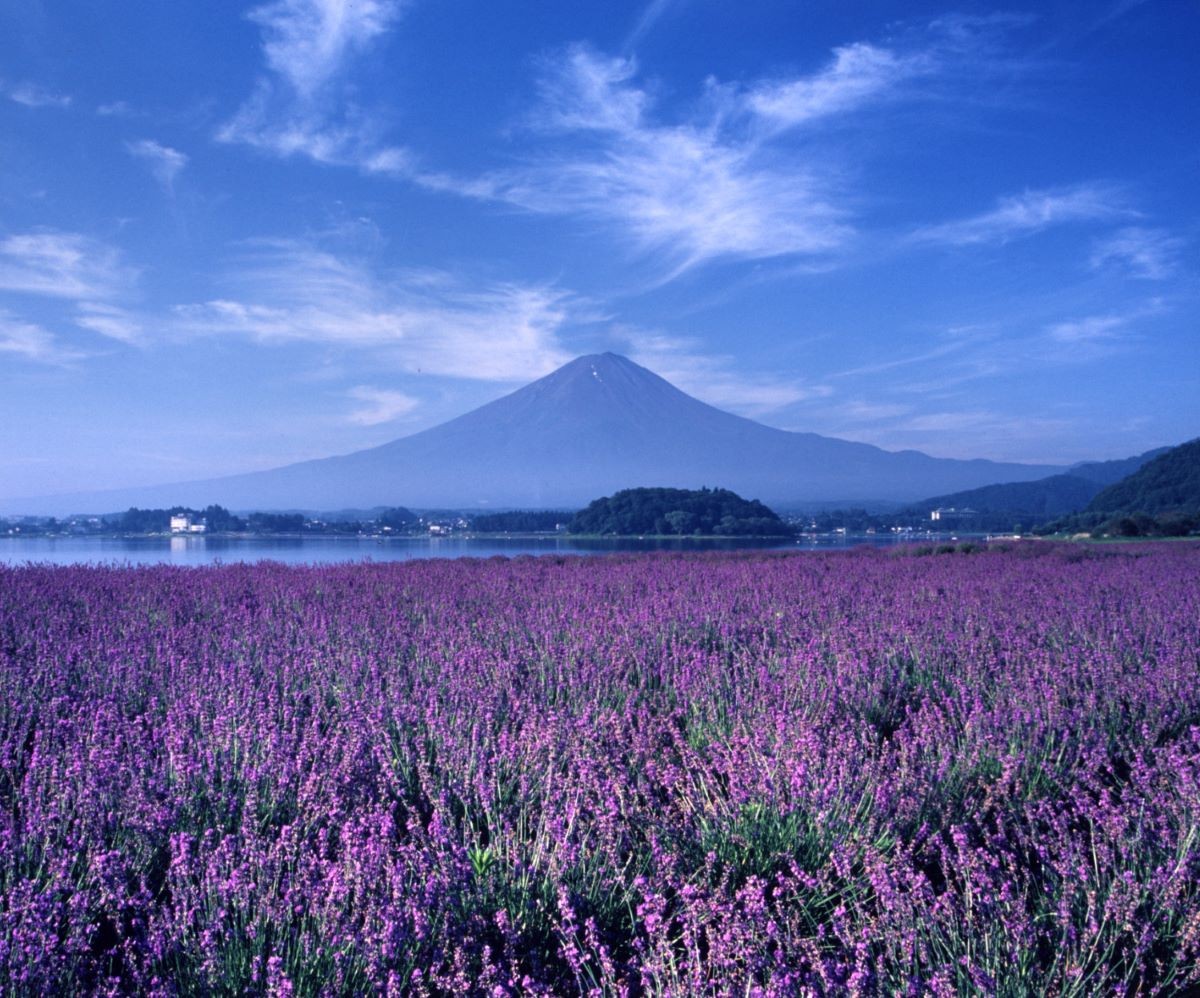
<point x="326" y="550"/>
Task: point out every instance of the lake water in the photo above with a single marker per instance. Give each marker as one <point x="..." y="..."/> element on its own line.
<point x="319" y="550"/>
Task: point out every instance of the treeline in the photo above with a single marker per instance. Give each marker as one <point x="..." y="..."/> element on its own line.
<point x="1160" y="499"/>
<point x="680" y="512"/>
<point x="1130" y="524"/>
<point x="158" y="521"/>
<point x="853" y="521"/>
<point x="217" y="519"/>
<point x="394" y="518"/>
<point x="519" y="521"/>
<point x="859" y="521"/>
<point x="37" y="526"/>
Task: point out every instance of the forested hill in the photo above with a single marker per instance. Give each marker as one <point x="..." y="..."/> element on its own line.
<point x="1053" y="496"/>
<point x="1168" y="484"/>
<point x="1110" y="472"/>
<point x="1044" y="498"/>
<point x="1160" y="498"/>
<point x="678" y="511"/>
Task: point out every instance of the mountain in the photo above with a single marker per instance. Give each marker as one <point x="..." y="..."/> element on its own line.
<point x="1111" y="472"/>
<point x="1055" y="495"/>
<point x="1168" y="484"/>
<point x="1046" y="497"/>
<point x="598" y="424"/>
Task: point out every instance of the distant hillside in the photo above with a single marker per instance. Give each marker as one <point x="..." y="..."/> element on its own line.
<point x="1110" y="472"/>
<point x="1162" y="498"/>
<point x="1168" y="484"/>
<point x="678" y="511"/>
<point x="1044" y="498"/>
<point x="1047" y="497"/>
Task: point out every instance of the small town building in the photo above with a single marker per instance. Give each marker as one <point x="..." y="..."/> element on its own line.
<point x="948" y="514"/>
<point x="182" y="523"/>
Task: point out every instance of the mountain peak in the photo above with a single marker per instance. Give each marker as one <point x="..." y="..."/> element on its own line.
<point x="606" y="357"/>
<point x="599" y="364"/>
<point x="598" y="379"/>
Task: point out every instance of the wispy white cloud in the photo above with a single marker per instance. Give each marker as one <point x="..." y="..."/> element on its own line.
<point x="62" y="265"/>
<point x="857" y="411"/>
<point x="741" y="173"/>
<point x="718" y="181"/>
<point x="74" y="268"/>
<point x="692" y="193"/>
<point x="1088" y="330"/>
<point x="715" y="378"/>
<point x="969" y="432"/>
<point x="1093" y="336"/>
<point x="163" y="161"/>
<point x="1030" y="212"/>
<point x="380" y="405"/>
<point x="115" y="109"/>
<point x="942" y="349"/>
<point x="1151" y="254"/>
<point x="651" y="14"/>
<point x="31" y="95"/>
<point x="302" y="107"/>
<point x="31" y="342"/>
<point x="307" y="42"/>
<point x="426" y="322"/>
<point x="110" y="321"/>
<point x="953" y="421"/>
<point x="297" y="130"/>
<point x="1117" y="10"/>
<point x="857" y="74"/>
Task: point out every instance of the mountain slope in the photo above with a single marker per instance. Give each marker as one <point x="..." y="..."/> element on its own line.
<point x="596" y="425"/>
<point x="1168" y="484"/>
<point x="1111" y="472"/>
<point x="1048" y="497"/>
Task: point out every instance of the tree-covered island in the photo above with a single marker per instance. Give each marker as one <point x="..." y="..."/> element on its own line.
<point x="679" y="512"/>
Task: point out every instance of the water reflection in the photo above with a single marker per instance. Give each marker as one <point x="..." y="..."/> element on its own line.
<point x="200" y="550"/>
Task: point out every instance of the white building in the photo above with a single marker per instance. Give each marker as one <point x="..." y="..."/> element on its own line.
<point x="950" y="513"/>
<point x="181" y="523"/>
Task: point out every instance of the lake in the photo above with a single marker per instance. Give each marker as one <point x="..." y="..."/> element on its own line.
<point x="322" y="550"/>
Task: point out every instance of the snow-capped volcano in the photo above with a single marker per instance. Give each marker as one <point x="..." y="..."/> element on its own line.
<point x="598" y="424"/>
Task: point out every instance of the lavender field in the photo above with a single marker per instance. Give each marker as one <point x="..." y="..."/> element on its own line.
<point x="973" y="772"/>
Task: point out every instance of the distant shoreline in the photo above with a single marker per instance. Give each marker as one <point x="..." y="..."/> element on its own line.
<point x="459" y="534"/>
<point x="471" y="535"/>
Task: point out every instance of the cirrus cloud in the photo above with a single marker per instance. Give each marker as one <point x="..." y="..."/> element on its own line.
<point x="32" y="96"/>
<point x="32" y="342"/>
<point x="858" y="73"/>
<point x="745" y="171"/>
<point x="301" y="106"/>
<point x="379" y="405"/>
<point x="417" y="321"/>
<point x="1030" y="212"/>
<point x="163" y="161"/>
<point x="1150" y="254"/>
<point x="691" y="192"/>
<point x="58" y="264"/>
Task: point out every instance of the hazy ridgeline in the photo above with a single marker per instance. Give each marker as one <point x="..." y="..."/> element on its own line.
<point x="864" y="773"/>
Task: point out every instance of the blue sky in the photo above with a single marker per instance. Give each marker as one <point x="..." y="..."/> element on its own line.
<point x="238" y="235"/>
